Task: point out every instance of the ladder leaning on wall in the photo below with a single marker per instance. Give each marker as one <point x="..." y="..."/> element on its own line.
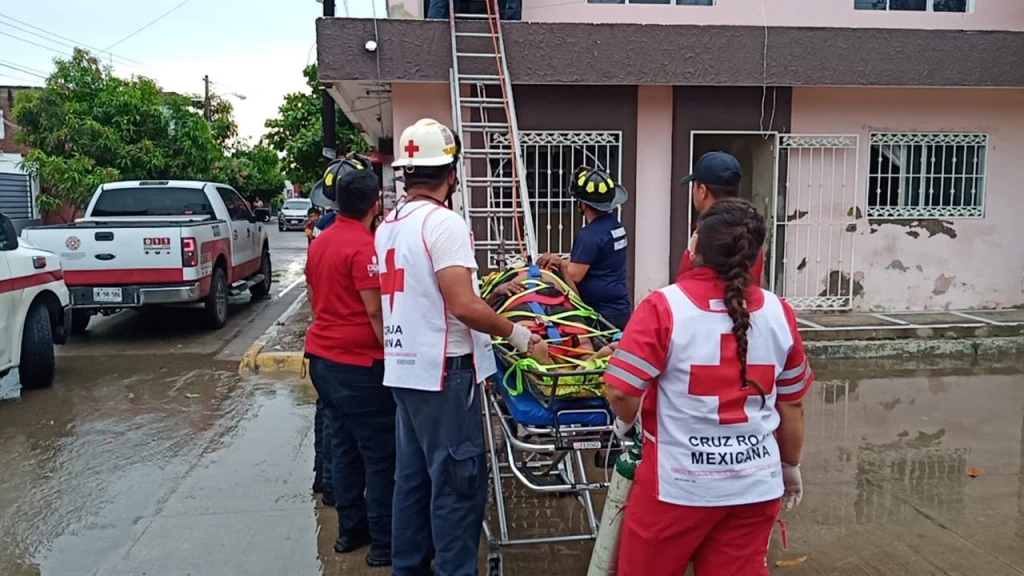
<point x="496" y="206"/>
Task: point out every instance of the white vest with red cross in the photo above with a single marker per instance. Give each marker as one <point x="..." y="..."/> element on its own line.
<point x="415" y="314"/>
<point x="711" y="442"/>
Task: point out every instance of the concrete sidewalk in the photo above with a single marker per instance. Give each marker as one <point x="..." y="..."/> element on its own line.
<point x="965" y="338"/>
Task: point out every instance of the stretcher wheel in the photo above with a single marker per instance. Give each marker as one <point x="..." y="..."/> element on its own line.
<point x="494" y="565"/>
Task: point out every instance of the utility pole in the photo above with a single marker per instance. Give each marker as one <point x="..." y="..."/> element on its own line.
<point x="206" y="97"/>
<point x="327" y="117"/>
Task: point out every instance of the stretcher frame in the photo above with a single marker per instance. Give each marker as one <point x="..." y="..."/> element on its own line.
<point x="552" y="456"/>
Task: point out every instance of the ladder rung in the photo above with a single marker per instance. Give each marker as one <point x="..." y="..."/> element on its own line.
<point x="494" y="211"/>
<point x="481" y="100"/>
<point x="473" y="16"/>
<point x="479" y="78"/>
<point x="468" y="103"/>
<point x="489" y="181"/>
<point x="476" y="34"/>
<point x="476" y="55"/>
<point x="485" y="126"/>
<point x="494" y="153"/>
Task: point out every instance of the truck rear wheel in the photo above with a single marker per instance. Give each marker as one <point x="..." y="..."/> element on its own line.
<point x="80" y="321"/>
<point x="216" y="302"/>
<point x="37" y="362"/>
<point x="263" y="288"/>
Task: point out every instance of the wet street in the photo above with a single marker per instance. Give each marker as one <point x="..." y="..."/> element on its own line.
<point x="151" y="456"/>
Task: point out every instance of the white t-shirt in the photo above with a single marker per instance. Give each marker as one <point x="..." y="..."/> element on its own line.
<point x="448" y="241"/>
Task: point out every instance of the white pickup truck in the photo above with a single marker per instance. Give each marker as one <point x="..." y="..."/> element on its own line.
<point x="150" y="243"/>
<point x="35" y="311"/>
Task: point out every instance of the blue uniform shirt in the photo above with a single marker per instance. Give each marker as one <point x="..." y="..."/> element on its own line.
<point x="602" y="245"/>
<point x="326" y="220"/>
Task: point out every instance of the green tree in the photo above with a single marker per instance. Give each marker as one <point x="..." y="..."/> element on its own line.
<point x="297" y="133"/>
<point x="87" y="126"/>
<point x="254" y="170"/>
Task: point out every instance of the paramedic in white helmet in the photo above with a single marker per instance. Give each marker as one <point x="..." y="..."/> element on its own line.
<point x="437" y="350"/>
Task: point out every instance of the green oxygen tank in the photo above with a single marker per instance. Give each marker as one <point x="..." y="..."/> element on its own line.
<point x="604" y="560"/>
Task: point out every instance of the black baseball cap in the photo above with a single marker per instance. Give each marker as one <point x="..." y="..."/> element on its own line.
<point x="716" y="169"/>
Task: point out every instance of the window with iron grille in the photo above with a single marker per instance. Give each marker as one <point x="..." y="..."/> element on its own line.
<point x="916" y="5"/>
<point x="927" y="175"/>
<point x="550" y="159"/>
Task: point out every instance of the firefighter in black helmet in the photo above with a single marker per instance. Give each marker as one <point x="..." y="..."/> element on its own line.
<point x="325" y="192"/>
<point x="597" y="264"/>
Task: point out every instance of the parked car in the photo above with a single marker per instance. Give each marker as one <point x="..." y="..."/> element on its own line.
<point x="146" y="243"/>
<point x="292" y="215"/>
<point x="35" y="310"/>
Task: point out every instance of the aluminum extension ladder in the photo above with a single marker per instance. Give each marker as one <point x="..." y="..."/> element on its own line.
<point x="495" y="200"/>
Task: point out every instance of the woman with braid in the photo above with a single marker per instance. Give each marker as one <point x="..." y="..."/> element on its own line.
<point x="714" y="370"/>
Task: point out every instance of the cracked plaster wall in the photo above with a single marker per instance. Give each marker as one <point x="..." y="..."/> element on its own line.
<point x="936" y="264"/>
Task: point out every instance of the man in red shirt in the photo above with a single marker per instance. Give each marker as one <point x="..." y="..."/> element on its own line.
<point x="716" y="175"/>
<point x="345" y="348"/>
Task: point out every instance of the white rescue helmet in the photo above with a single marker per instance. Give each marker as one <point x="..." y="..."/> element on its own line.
<point x="426" y="143"/>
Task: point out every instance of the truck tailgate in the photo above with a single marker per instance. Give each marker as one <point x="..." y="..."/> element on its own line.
<point x="98" y="256"/>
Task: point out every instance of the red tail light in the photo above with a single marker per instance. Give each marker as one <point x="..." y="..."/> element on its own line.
<point x="189" y="253"/>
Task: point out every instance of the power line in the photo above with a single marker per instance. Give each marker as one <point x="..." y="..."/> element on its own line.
<point x="55" y="35"/>
<point x="33" y="83"/>
<point x="50" y="48"/>
<point x="28" y="71"/>
<point x="158" y="18"/>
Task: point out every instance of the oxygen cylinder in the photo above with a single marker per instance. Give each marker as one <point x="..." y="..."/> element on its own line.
<point x="604" y="560"/>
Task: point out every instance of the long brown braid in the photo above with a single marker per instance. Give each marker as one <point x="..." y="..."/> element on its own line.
<point x="729" y="236"/>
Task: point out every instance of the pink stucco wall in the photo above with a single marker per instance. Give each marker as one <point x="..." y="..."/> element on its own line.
<point x="964" y="263"/>
<point x="987" y="15"/>
<point x="411" y="101"/>
<point x="653" y="188"/>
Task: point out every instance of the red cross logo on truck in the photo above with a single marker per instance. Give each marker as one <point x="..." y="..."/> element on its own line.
<point x="722" y="380"/>
<point x="392" y="279"/>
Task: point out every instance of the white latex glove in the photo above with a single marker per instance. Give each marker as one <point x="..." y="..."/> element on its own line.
<point x="621" y="428"/>
<point x="794" y="486"/>
<point x="520" y="338"/>
<point x="692" y="246"/>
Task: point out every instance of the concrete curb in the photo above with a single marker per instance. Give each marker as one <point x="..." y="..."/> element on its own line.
<point x="290" y="364"/>
<point x="914" y="348"/>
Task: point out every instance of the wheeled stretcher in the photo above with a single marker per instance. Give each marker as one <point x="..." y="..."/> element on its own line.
<point x="545" y="411"/>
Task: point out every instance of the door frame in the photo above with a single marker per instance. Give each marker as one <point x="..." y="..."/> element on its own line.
<point x="771" y="136"/>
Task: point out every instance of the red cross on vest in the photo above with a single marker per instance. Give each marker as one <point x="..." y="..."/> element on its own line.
<point x="411" y="148"/>
<point x="722" y="380"/>
<point x="392" y="280"/>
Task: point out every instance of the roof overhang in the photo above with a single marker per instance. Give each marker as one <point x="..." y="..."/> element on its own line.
<point x="580" y="53"/>
<point x="367" y="104"/>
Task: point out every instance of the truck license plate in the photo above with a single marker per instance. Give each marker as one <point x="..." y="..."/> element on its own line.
<point x="106" y="294"/>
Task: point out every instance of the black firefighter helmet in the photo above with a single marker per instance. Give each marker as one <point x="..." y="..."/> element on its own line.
<point x="596" y="188"/>
<point x="325" y="191"/>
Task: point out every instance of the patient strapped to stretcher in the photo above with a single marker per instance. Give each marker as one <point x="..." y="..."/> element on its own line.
<point x="577" y="343"/>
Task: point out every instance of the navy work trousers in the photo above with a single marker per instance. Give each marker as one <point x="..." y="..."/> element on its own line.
<point x="320" y="474"/>
<point x="441" y="477"/>
<point x="359" y="445"/>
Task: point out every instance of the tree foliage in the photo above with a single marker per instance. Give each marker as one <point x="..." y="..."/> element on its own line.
<point x="297" y="133"/>
<point x="87" y="126"/>
<point x="254" y="170"/>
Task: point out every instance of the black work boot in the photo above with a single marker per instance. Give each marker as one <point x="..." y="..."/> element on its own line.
<point x="351" y="541"/>
<point x="378" y="556"/>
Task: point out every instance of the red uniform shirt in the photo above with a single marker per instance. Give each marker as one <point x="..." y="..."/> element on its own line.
<point x="341" y="264"/>
<point x="756" y="270"/>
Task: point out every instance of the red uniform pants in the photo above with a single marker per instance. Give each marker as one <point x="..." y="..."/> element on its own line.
<point x="660" y="539"/>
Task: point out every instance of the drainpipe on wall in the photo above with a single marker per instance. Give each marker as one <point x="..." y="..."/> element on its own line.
<point x="327" y="117"/>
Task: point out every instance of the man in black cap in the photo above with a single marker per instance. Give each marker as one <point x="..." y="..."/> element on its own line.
<point x="716" y="175"/>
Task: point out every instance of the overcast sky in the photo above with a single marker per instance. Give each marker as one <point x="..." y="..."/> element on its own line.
<point x="256" y="48"/>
